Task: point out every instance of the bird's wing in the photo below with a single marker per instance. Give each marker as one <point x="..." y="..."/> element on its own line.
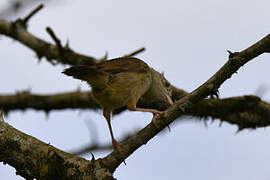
<point x="122" y="65"/>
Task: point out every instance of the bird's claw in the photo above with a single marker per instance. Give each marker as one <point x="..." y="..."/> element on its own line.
<point x="154" y="120"/>
<point x="116" y="145"/>
<point x="155" y="116"/>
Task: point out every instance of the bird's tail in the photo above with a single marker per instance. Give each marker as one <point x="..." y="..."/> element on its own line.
<point x="88" y="73"/>
<point x="79" y="72"/>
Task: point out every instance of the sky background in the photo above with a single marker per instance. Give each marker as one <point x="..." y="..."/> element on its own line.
<point x="185" y="39"/>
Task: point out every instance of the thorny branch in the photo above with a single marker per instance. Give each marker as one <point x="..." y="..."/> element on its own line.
<point x="244" y="111"/>
<point x="71" y="100"/>
<point x="17" y="30"/>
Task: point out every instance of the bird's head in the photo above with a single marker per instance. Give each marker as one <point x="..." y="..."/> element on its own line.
<point x="160" y="91"/>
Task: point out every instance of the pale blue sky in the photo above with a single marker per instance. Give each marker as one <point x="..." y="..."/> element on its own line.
<point x="185" y="39"/>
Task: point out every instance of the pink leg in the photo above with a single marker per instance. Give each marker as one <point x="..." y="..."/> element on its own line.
<point x="156" y="113"/>
<point x="132" y="106"/>
<point x="116" y="144"/>
<point x="154" y="121"/>
<point x="107" y="116"/>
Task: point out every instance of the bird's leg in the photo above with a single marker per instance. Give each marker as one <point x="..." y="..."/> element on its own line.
<point x="107" y="115"/>
<point x="116" y="145"/>
<point x="132" y="106"/>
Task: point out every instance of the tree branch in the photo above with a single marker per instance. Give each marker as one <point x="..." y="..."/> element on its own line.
<point x="17" y="30"/>
<point x="243" y="111"/>
<point x="34" y="159"/>
<point x="188" y="102"/>
<point x="70" y="100"/>
<point x="43" y="49"/>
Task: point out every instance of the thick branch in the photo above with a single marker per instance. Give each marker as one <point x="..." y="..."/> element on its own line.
<point x="244" y="111"/>
<point x="25" y="100"/>
<point x="70" y="100"/>
<point x="188" y="102"/>
<point x="34" y="159"/>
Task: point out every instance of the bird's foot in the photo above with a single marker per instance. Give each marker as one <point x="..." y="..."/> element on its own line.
<point x="116" y="145"/>
<point x="156" y="114"/>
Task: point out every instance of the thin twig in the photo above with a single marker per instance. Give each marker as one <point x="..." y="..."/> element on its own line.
<point x="135" y="52"/>
<point x="53" y="36"/>
<point x="32" y="13"/>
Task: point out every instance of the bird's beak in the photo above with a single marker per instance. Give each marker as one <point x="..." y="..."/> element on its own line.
<point x="168" y="99"/>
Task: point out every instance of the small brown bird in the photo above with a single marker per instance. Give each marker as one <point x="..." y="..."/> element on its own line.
<point x="122" y="82"/>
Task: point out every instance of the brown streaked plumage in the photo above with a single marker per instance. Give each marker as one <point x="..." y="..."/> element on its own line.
<point x="122" y="82"/>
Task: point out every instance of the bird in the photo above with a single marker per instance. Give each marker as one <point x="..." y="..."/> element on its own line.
<point x="122" y="82"/>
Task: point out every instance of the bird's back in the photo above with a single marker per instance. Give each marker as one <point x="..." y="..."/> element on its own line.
<point x="122" y="65"/>
<point x="115" y="81"/>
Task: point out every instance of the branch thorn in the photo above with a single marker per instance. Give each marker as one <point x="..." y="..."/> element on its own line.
<point x="135" y="52"/>
<point x="93" y="157"/>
